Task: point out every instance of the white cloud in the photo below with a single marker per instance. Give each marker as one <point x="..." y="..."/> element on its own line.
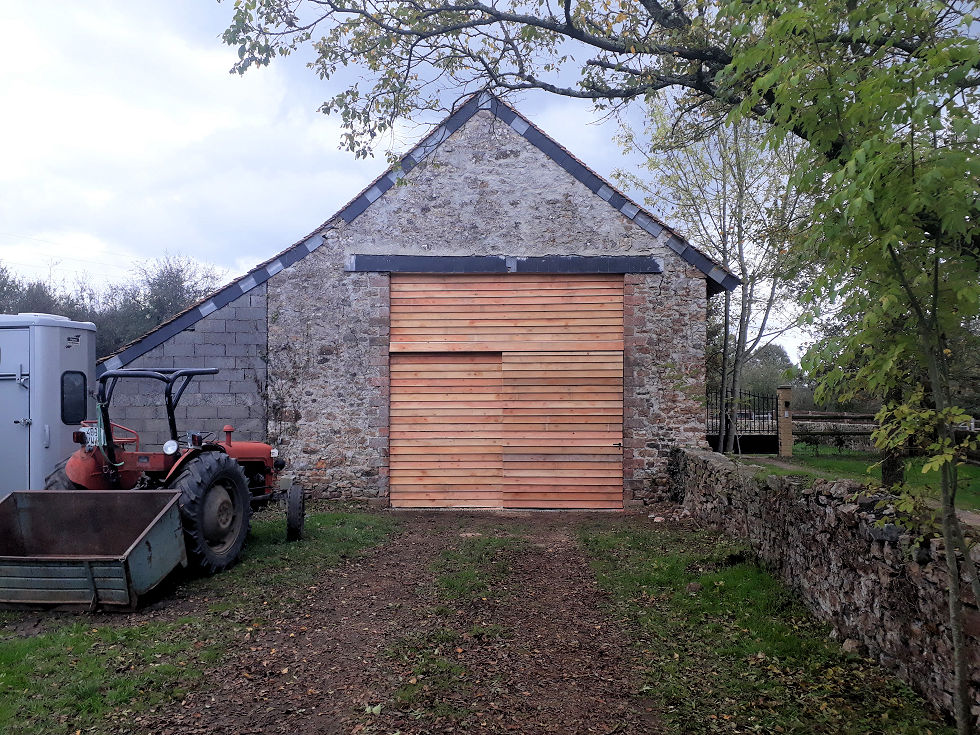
<point x="125" y="137"/>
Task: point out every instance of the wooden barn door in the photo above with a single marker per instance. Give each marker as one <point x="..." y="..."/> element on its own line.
<point x="506" y="391"/>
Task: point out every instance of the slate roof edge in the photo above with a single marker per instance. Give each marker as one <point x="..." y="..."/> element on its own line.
<point x="718" y="278"/>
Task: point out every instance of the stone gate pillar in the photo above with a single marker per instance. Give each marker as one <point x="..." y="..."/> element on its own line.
<point x="784" y="420"/>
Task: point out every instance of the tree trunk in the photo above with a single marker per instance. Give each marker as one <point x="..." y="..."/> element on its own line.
<point x="723" y="427"/>
<point x="893" y="463"/>
<point x="747" y="288"/>
<point x="952" y="534"/>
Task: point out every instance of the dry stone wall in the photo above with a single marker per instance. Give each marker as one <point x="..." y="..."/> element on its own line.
<point x="878" y="591"/>
<point x="232" y="339"/>
<point x="484" y="191"/>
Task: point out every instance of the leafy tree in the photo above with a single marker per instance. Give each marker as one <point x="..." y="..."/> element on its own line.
<point x="885" y="95"/>
<point x="767" y="369"/>
<point x="19" y="295"/>
<point x="121" y="313"/>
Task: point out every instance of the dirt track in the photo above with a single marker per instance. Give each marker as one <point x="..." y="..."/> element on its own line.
<point x="539" y="653"/>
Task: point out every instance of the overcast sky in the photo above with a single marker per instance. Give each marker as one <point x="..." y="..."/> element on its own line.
<point x="123" y="136"/>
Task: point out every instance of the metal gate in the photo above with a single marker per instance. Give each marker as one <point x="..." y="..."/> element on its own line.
<point x="751" y="416"/>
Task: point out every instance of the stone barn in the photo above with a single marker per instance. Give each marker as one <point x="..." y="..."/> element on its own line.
<point x="489" y="324"/>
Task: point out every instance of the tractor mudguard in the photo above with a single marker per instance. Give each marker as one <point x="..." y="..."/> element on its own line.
<point x="189" y="455"/>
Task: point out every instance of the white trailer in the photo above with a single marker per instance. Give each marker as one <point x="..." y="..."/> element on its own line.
<point x="47" y="377"/>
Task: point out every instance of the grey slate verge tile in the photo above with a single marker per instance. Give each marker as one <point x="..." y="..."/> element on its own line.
<point x="503" y="112"/>
<point x="696" y="259"/>
<point x="616" y="200"/>
<point x="226" y="296"/>
<point x="353" y="209"/>
<point x="677" y="245"/>
<point x="519" y="125"/>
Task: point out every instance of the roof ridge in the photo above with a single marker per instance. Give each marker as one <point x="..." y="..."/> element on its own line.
<point x="718" y="277"/>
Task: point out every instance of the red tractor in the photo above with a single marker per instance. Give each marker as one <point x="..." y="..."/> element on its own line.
<point x="218" y="481"/>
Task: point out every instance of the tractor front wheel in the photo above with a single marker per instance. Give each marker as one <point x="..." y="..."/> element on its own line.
<point x="215" y="510"/>
<point x="58" y="479"/>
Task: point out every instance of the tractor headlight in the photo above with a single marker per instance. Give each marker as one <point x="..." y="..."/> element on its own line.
<point x="170" y="447"/>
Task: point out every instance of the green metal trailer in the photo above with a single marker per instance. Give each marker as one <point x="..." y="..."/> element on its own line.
<point x="91" y="548"/>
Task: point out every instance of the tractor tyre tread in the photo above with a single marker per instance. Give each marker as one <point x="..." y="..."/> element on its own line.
<point x="57" y="479"/>
<point x="196" y="478"/>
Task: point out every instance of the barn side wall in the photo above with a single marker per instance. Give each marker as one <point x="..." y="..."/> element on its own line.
<point x="233" y="339"/>
<point x="485" y="190"/>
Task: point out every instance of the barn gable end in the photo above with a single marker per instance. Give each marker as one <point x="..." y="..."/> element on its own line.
<point x="486" y="183"/>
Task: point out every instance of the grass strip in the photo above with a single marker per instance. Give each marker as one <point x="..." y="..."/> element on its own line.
<point x="438" y="683"/>
<point x="856" y="465"/>
<point x="73" y="675"/>
<point x="726" y="648"/>
<point x="475" y="567"/>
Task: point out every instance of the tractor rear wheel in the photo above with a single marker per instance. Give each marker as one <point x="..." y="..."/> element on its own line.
<point x="58" y="479"/>
<point x="215" y="510"/>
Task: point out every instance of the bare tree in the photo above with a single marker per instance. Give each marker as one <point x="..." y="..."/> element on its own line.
<point x="731" y="193"/>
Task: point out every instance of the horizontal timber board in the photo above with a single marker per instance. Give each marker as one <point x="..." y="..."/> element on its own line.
<point x="608" y="413"/>
<point x="527" y="445"/>
<point x="428" y="462"/>
<point x="450" y="424"/>
<point x="499" y="277"/>
<point x="435" y="487"/>
<point x="449" y="321"/>
<point x="522" y="470"/>
<point x="443" y="503"/>
<point x="517" y="335"/>
<point x="559" y="310"/>
<point x="475" y="358"/>
<point x="504" y="429"/>
<point x="476" y="332"/>
<point x="557" y="504"/>
<point x="513" y="383"/>
<point x="449" y="304"/>
<point x="505" y="480"/>
<point x="517" y="435"/>
<point x="502" y="346"/>
<point x="482" y="417"/>
<point x="461" y="295"/>
<point x="438" y="404"/>
<point x="505" y="284"/>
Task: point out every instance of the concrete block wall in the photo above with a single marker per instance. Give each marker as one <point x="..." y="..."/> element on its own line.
<point x="233" y="339"/>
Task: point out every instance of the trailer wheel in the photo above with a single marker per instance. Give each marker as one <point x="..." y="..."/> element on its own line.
<point x="215" y="510"/>
<point x="58" y="479"/>
<point x="295" y="512"/>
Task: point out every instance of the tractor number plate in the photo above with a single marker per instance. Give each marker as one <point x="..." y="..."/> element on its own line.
<point x="92" y="437"/>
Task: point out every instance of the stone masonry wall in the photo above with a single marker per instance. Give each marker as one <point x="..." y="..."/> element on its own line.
<point x="484" y="191"/>
<point x="328" y="385"/>
<point x="232" y="339"/>
<point x="665" y="334"/>
<point x="865" y="579"/>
